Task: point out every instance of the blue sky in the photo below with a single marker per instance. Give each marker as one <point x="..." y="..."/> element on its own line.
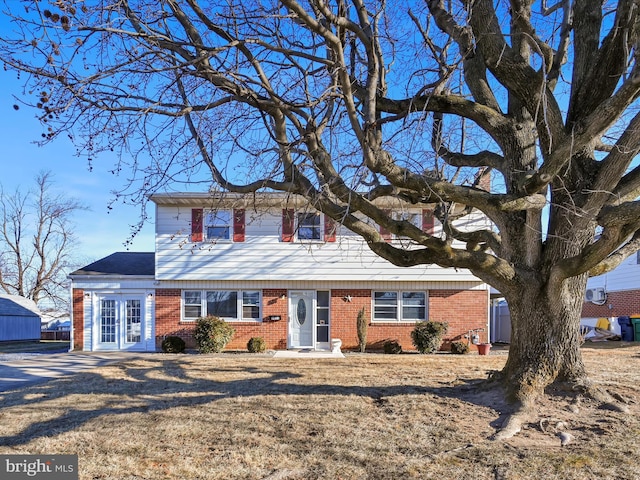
<point x="100" y="232"/>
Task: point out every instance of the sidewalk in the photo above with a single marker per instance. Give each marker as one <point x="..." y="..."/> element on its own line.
<point x="20" y="369"/>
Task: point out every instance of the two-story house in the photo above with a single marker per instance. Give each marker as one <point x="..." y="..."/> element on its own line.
<point x="273" y="267"/>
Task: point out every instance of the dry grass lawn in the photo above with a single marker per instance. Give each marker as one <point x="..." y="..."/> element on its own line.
<point x="369" y="416"/>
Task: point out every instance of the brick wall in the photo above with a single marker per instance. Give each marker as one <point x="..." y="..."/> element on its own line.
<point x="77" y="299"/>
<point x="274" y="332"/>
<point x="461" y="309"/>
<point x="621" y="303"/>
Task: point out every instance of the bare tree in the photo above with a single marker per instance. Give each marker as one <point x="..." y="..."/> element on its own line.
<point x="37" y="244"/>
<point x="346" y="102"/>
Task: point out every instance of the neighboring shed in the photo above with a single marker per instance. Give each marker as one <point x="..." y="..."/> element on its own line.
<point x="19" y="319"/>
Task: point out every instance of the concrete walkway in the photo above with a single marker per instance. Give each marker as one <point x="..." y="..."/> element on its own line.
<point x="307" y="353"/>
<point x="20" y="369"/>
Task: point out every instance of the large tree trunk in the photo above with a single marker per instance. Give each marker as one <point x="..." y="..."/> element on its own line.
<point x="545" y="339"/>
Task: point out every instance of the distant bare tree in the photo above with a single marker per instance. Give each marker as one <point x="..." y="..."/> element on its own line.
<point x="345" y="102"/>
<point x="37" y="243"/>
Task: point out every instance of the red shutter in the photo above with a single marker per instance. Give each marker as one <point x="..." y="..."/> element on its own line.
<point x="288" y="224"/>
<point x="384" y="233"/>
<point x="238" y="224"/>
<point x="428" y="222"/>
<point x="329" y="229"/>
<point x="196" y="225"/>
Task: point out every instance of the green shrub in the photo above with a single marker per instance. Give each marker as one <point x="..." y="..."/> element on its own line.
<point x="256" y="345"/>
<point x="212" y="334"/>
<point x="173" y="344"/>
<point x="391" y="347"/>
<point x="459" y="348"/>
<point x="427" y="336"/>
<point x="362" y="325"/>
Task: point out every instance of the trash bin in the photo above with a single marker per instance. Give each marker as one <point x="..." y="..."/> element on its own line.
<point x="626" y="328"/>
<point x="636" y="328"/>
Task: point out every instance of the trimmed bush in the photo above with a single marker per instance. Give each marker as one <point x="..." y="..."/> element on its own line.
<point x="362" y="324"/>
<point x="459" y="348"/>
<point x="427" y="336"/>
<point x="173" y="344"/>
<point x="212" y="334"/>
<point x="256" y="345"/>
<point x="391" y="347"/>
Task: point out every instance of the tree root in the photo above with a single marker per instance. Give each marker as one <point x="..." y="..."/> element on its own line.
<point x="524" y="413"/>
<point x="513" y="423"/>
<point x="608" y="400"/>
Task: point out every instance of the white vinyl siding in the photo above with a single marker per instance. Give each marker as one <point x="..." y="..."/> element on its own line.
<point x="393" y="306"/>
<point x="231" y="305"/>
<point x="264" y="257"/>
<point x="624" y="277"/>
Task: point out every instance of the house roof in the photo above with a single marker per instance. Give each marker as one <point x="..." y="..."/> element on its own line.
<point x="16" y="306"/>
<point x="230" y="199"/>
<point x="121" y="263"/>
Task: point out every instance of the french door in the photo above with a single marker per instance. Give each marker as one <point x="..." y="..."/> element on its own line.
<point x="120" y="322"/>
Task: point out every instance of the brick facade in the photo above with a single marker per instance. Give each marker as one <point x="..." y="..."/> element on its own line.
<point x="77" y="299"/>
<point x="617" y="304"/>
<point x="461" y="309"/>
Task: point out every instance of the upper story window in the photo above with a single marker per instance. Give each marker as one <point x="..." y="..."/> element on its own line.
<point x="309" y="226"/>
<point x="218" y="225"/>
<point x="422" y="219"/>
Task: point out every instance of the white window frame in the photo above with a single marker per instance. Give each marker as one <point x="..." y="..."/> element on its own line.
<point x="319" y="226"/>
<point x="212" y="219"/>
<point x="399" y="306"/>
<point x="240" y="305"/>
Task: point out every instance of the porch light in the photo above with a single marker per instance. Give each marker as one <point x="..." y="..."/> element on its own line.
<point x="283" y="296"/>
<point x="87" y="294"/>
<point x="150" y="296"/>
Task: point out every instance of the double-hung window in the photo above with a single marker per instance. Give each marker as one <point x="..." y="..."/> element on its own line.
<point x="309" y="226"/>
<point x="218" y="225"/>
<point x="231" y="305"/>
<point x="394" y="306"/>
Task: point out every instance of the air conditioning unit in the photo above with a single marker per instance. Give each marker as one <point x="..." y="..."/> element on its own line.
<point x="595" y="295"/>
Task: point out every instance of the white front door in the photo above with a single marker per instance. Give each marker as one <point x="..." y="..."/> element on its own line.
<point x="119" y="322"/>
<point x="301" y="318"/>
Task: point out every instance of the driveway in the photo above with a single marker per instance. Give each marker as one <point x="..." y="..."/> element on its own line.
<point x="21" y="369"/>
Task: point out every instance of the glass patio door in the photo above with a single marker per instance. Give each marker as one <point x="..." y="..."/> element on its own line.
<point x="120" y="322"/>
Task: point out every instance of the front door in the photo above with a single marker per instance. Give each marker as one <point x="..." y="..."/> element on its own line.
<point x="301" y="318"/>
<point x="120" y="320"/>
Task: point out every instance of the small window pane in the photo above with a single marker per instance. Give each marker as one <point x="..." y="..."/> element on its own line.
<point x="192" y="311"/>
<point x="323" y="316"/>
<point x="322" y="333"/>
<point x="323" y="299"/>
<point x="218" y="232"/>
<point x="386" y="298"/>
<point x="222" y="304"/>
<point x="413" y="313"/>
<point x="192" y="297"/>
